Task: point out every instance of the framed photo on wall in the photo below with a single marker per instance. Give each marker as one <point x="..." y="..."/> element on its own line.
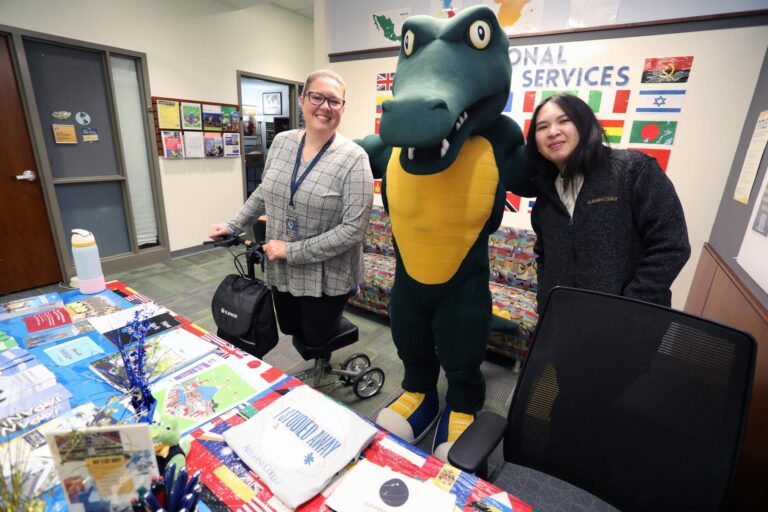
<point x="273" y="103"/>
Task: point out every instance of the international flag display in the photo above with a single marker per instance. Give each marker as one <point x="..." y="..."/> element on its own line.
<point x="377" y="186"/>
<point x="667" y="70"/>
<point x="529" y="102"/>
<point x="508" y="106"/>
<point x="660" y="101"/>
<point x="385" y="81"/>
<point x="613" y="129"/>
<point x="620" y="101"/>
<point x="661" y="155"/>
<point x="594" y="99"/>
<point x="512" y="202"/>
<point x="376" y="127"/>
<point x="531" y="202"/>
<point x="380" y="100"/>
<point x="653" y="132"/>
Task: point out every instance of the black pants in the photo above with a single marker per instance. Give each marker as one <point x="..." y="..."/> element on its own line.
<point x="314" y="319"/>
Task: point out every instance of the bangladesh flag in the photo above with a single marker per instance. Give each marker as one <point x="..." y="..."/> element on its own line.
<point x="653" y="132"/>
<point x="667" y="70"/>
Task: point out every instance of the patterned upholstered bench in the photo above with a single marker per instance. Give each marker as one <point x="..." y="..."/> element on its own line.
<point x="512" y="281"/>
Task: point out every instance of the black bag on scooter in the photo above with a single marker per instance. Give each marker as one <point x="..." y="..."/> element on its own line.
<point x="243" y="311"/>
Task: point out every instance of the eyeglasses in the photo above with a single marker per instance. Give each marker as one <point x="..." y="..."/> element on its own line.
<point x="318" y="99"/>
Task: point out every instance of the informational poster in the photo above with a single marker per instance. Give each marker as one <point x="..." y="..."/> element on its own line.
<point x="752" y="159"/>
<point x="64" y="134"/>
<point x="191" y="116"/>
<point x="194" y="145"/>
<point x="231" y="144"/>
<point x="168" y="115"/>
<point x="212" y="118"/>
<point x="214" y="145"/>
<point x="754" y="247"/>
<point x="173" y="146"/>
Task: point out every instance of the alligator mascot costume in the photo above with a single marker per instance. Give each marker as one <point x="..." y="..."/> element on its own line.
<point x="446" y="155"/>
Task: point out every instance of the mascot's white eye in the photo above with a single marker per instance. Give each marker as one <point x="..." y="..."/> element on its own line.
<point x="480" y="34"/>
<point x="408" y="41"/>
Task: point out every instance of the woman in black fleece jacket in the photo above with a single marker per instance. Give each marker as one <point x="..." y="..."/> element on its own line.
<point x="605" y="219"/>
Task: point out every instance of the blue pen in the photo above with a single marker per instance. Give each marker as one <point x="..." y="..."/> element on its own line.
<point x="154" y="505"/>
<point x="195" y="497"/>
<point x="170" y="470"/>
<point x="192" y="482"/>
<point x="178" y="489"/>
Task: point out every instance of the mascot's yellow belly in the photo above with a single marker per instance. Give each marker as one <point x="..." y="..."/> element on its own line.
<point x="436" y="218"/>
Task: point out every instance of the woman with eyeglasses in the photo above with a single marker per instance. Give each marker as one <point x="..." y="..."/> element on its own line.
<point x="317" y="192"/>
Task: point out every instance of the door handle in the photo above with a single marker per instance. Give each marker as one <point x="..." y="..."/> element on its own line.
<point x="27" y="176"/>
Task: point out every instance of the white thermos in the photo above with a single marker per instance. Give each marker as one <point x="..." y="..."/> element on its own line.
<point x="85" y="254"/>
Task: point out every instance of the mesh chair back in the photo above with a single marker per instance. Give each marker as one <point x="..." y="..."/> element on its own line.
<point x="640" y="405"/>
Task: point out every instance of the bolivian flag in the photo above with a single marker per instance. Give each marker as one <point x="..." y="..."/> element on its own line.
<point x="613" y="130"/>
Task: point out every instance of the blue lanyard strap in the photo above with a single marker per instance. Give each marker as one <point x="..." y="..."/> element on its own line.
<point x="295" y="184"/>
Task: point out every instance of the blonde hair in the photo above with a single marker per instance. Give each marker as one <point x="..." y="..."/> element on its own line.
<point x="324" y="73"/>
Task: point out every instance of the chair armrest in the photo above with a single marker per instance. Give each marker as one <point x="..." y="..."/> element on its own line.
<point x="471" y="450"/>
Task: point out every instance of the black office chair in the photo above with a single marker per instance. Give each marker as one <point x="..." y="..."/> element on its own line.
<point x="620" y="403"/>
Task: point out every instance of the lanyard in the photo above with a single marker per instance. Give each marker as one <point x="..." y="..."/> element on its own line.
<point x="295" y="184"/>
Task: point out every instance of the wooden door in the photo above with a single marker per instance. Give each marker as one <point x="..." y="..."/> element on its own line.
<point x="27" y="253"/>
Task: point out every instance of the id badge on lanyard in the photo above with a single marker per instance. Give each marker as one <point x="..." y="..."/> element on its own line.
<point x="291" y="218"/>
<point x="291" y="226"/>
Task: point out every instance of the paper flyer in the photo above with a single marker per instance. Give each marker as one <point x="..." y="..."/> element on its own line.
<point x="208" y="388"/>
<point x="29" y="305"/>
<point x="166" y="353"/>
<point x="73" y="351"/>
<point x="103" y="466"/>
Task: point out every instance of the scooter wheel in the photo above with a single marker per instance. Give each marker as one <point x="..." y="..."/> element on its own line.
<point x="369" y="383"/>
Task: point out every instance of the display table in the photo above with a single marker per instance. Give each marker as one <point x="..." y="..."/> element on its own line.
<point x="208" y="397"/>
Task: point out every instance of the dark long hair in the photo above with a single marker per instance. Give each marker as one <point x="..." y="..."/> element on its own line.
<point x="589" y="153"/>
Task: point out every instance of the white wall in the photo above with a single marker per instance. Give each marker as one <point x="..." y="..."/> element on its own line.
<point x="707" y="132"/>
<point x="194" y="49"/>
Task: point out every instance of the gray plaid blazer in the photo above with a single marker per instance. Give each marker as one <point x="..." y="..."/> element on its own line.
<point x="332" y="207"/>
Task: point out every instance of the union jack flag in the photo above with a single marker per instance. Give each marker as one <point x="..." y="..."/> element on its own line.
<point x="384" y="81"/>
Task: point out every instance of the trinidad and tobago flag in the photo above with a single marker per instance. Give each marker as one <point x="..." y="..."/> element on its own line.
<point x="512" y="202"/>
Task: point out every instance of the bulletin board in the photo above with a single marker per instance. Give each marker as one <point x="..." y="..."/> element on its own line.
<point x="610" y="69"/>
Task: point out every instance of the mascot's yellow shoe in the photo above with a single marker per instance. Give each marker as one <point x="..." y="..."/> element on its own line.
<point x="411" y="415"/>
<point x="452" y="425"/>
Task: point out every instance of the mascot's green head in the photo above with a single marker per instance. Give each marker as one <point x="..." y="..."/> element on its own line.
<point x="452" y="81"/>
<point x="165" y="436"/>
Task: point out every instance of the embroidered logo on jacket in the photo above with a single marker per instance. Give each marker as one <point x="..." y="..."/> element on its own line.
<point x="603" y="199"/>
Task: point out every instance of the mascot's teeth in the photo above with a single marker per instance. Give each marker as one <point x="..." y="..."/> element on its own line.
<point x="460" y="120"/>
<point x="411" y="151"/>
<point x="444" y="148"/>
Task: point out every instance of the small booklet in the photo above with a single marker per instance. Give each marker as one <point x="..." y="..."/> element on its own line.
<point x="166" y="353"/>
<point x="104" y="465"/>
<point x="299" y="442"/>
<point x="89" y="307"/>
<point x="21" y="307"/>
<point x="368" y="487"/>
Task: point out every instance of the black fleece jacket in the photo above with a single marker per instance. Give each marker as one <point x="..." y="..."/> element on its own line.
<point x="627" y="237"/>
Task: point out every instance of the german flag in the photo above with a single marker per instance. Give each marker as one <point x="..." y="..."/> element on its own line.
<point x="614" y="129"/>
<point x="665" y="70"/>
